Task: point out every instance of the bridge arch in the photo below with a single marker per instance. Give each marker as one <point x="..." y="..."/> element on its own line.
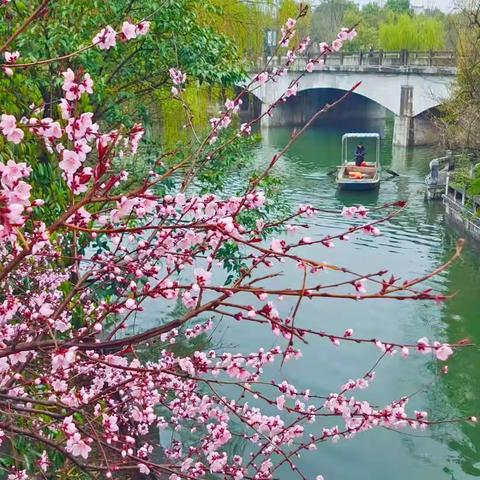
<point x="354" y="110"/>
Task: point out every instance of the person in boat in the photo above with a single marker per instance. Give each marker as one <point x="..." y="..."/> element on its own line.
<point x="360" y="153"/>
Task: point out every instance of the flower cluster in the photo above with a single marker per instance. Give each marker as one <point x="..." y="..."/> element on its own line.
<point x="107" y="37"/>
<point x="178" y="78"/>
<point x="14" y="197"/>
<point x="74" y="90"/>
<point x="10" y="58"/>
<point x="9" y="128"/>
<point x="288" y="32"/>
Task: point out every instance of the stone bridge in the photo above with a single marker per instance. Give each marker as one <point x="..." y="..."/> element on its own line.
<point x="408" y="84"/>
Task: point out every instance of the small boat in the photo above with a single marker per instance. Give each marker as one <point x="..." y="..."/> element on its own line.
<point x="353" y="177"/>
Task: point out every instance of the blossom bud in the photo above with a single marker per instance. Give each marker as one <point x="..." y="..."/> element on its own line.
<point x="130" y="303"/>
<point x="7" y="71"/>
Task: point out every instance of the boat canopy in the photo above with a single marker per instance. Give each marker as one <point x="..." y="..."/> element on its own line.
<point x="345" y="151"/>
<point x="361" y="135"/>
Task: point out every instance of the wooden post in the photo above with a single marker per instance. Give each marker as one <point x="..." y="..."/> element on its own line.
<point x="380" y="57"/>
<point x="341" y="58"/>
<point x="430" y="58"/>
<point x="360" y="58"/>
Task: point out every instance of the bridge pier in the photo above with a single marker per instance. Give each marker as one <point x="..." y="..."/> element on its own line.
<point x="411" y="130"/>
<point x="266" y="120"/>
<point x="403" y="128"/>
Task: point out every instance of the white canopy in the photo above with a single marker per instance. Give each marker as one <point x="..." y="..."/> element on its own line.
<point x="362" y="135"/>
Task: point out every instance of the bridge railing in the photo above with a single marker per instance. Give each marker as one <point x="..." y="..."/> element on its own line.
<point x="390" y="59"/>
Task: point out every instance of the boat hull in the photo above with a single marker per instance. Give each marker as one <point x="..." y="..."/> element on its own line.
<point x="370" y="180"/>
<point x="358" y="186"/>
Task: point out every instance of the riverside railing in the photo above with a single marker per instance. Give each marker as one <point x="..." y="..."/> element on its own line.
<point x="376" y="59"/>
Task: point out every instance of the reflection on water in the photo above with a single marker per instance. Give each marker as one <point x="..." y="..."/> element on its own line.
<point x="411" y="245"/>
<point x="461" y="320"/>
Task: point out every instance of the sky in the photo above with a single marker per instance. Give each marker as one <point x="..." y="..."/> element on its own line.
<point x="444" y="5"/>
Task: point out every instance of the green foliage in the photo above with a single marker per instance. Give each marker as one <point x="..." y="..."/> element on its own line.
<point x="398" y="6"/>
<point x="392" y="27"/>
<point x="128" y="79"/>
<point x="412" y="33"/>
<point x="466" y="177"/>
<point x="200" y="100"/>
<point x="231" y="257"/>
<point x="329" y="17"/>
<point x="244" y="23"/>
<point x="368" y="20"/>
<point x="133" y="70"/>
<point x="234" y="158"/>
<point x="460" y="119"/>
<point x="461" y="179"/>
<point x="29" y="451"/>
<point x="474" y="189"/>
<point x="287" y="9"/>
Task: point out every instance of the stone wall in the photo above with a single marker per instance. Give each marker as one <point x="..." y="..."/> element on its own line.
<point x="425" y="131"/>
<point x="461" y="218"/>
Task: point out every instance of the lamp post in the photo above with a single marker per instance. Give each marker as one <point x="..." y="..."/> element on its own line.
<point x="270" y="41"/>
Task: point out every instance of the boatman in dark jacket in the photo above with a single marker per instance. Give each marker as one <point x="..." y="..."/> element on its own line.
<point x="360" y="153"/>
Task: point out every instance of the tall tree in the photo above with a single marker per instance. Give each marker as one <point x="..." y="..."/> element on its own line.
<point x="328" y="19"/>
<point x="399" y="6"/>
<point x="417" y="32"/>
<point x="368" y="20"/>
<point x="461" y="123"/>
<point x="244" y="23"/>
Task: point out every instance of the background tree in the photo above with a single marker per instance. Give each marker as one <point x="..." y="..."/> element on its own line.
<point x="398" y="6"/>
<point x="244" y="23"/>
<point x="368" y="19"/>
<point x="328" y="18"/>
<point x="419" y="32"/>
<point x="392" y="27"/>
<point x="461" y="121"/>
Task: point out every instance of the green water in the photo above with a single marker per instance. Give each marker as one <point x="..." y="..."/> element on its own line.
<point x="411" y="245"/>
